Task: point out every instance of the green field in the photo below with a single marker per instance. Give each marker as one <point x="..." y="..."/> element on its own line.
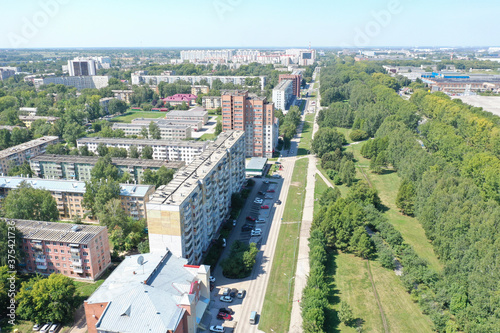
<point x="130" y="115"/>
<point x="352" y="284"/>
<point x="277" y="308"/>
<point x="306" y="136"/>
<point x="387" y="185"/>
<point x="319" y="187"/>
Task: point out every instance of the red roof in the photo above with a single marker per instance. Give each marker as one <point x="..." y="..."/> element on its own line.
<point x="180" y="98"/>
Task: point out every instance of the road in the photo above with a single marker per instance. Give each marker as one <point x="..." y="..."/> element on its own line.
<point x="256" y="284"/>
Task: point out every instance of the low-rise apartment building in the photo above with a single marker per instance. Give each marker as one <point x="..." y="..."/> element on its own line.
<point x="168" y="131"/>
<point x="197" y="113"/>
<point x="194" y="124"/>
<point x="211" y="102"/>
<point x="69" y="195"/>
<point x="151" y="292"/>
<point x="196" y="90"/>
<point x="28" y="120"/>
<point x="74" y="250"/>
<point x="165" y="150"/>
<point x="19" y="154"/>
<point x="185" y="215"/>
<point x="123" y="95"/>
<point x="74" y="167"/>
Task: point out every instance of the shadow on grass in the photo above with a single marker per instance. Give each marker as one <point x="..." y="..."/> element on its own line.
<point x="332" y="321"/>
<point x="302" y="152"/>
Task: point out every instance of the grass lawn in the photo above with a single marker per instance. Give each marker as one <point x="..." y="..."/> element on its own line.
<point x="352" y="284"/>
<point x="387" y="185"/>
<point x="319" y="187"/>
<point x="130" y="115"/>
<point x="277" y="308"/>
<point x="207" y="136"/>
<point x="306" y="136"/>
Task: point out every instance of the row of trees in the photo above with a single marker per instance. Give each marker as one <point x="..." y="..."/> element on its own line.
<point x="288" y="124"/>
<point x="240" y="262"/>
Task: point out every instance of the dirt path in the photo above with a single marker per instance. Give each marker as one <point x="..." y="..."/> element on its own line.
<point x="382" y="314"/>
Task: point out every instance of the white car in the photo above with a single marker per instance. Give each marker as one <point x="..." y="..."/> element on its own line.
<point x="225" y="291"/>
<point x="256" y="232"/>
<point x="212" y="279"/>
<point x="227" y="299"/>
<point x="258" y="200"/>
<point x="218" y="329"/>
<point x="260" y="221"/>
<point x="241" y="293"/>
<point x="37" y="327"/>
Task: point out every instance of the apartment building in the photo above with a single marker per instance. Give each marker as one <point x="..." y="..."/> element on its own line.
<point x="185" y="215"/>
<point x="6" y="73"/>
<point x="79" y="82"/>
<point x="19" y="154"/>
<point x="193" y="123"/>
<point x="123" y="95"/>
<point x="296" y="78"/>
<point x="142" y="78"/>
<point x="166" y="150"/>
<point x="196" y="90"/>
<point x="211" y="102"/>
<point x="69" y="195"/>
<point x="179" y="99"/>
<point x="199" y="114"/>
<point x="28" y="120"/>
<point x="283" y="95"/>
<point x="25" y="111"/>
<point x="74" y="250"/>
<point x="74" y="167"/>
<point x="81" y="67"/>
<point x="150" y="292"/>
<point x="254" y="115"/>
<point x="173" y="130"/>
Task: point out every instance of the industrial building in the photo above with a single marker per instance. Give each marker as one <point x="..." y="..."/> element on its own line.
<point x="185" y="215"/>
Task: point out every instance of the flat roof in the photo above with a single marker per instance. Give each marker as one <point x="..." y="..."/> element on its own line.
<point x="145" y="298"/>
<point x="70" y="186"/>
<point x="148" y="142"/>
<point x="195" y="112"/>
<point x="146" y="163"/>
<point x="37" y="117"/>
<point x="186" y="179"/>
<point x="256" y="163"/>
<point x="27" y="145"/>
<point x="162" y="124"/>
<point x="282" y="85"/>
<point x="57" y="231"/>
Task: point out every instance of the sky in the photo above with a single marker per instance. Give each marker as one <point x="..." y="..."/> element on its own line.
<point x="246" y="23"/>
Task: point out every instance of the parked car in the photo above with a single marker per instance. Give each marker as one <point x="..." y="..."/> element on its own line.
<point x="45" y="328"/>
<point x="258" y="201"/>
<point x="241" y="293"/>
<point x="37" y="327"/>
<point x="234" y="223"/>
<point x="211" y="278"/>
<point x="246" y="227"/>
<point x="256" y="232"/>
<point x="264" y="207"/>
<point x="261" y="192"/>
<point x="224" y="242"/>
<point x="249" y="218"/>
<point x="227" y="299"/>
<point x="269" y="196"/>
<point x="278" y="202"/>
<point x="224" y="316"/>
<point x="276" y="176"/>
<point x="217" y="329"/>
<point x="54" y="328"/>
<point x="260" y="221"/>
<point x="225" y="291"/>
<point x="270" y="191"/>
<point x="226" y="310"/>
<point x="233" y="292"/>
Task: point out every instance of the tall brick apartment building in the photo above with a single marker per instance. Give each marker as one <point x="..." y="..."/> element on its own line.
<point x="255" y="116"/>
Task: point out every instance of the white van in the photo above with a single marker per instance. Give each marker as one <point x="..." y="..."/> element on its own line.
<point x="253" y="317"/>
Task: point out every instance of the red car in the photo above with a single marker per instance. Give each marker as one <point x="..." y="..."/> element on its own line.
<point x="224" y="316"/>
<point x="249" y="218"/>
<point x="270" y="191"/>
<point x="264" y="207"/>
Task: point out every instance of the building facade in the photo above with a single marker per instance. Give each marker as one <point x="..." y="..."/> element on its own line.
<point x="178" y="99"/>
<point x="152" y="292"/>
<point x="69" y="195"/>
<point x="28" y="120"/>
<point x="296" y="79"/>
<point x="196" y="90"/>
<point x="74" y="167"/>
<point x="185" y="215"/>
<point x="165" y="150"/>
<point x="123" y="95"/>
<point x="81" y="67"/>
<point x="255" y="116"/>
<point x="211" y="102"/>
<point x="19" y="154"/>
<point x="198" y="114"/>
<point x="283" y="95"/>
<point x="74" y="250"/>
<point x="79" y="82"/>
<point x="168" y="130"/>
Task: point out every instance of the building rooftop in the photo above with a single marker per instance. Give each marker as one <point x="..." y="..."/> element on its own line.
<point x="145" y="298"/>
<point x="27" y="145"/>
<point x="180" y="97"/>
<point x="187" y="178"/>
<point x="164" y="123"/>
<point x="56" y="231"/>
<point x="33" y="118"/>
<point x="234" y="92"/>
<point x="71" y="186"/>
<point x="284" y="84"/>
<point x="145" y="163"/>
<point x="256" y="163"/>
<point x="149" y="142"/>
<point x="194" y="112"/>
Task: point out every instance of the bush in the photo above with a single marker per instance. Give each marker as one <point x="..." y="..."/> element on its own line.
<point x="358" y="135"/>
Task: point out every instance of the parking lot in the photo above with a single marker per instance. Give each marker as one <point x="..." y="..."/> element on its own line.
<point x="266" y="189"/>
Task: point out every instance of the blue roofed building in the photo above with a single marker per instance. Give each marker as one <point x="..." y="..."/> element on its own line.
<point x="152" y="292"/>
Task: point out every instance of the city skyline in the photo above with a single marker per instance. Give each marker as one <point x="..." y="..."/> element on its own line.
<point x="242" y="24"/>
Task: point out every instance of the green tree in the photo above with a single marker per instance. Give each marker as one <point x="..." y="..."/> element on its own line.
<point x="147" y="153"/>
<point x="218" y="127"/>
<point x="345" y="313"/>
<point x="117" y="106"/>
<point x="104" y="169"/>
<point x="327" y="140"/>
<point x="98" y="192"/>
<point x="358" y="135"/>
<point x="144" y="133"/>
<point x="405" y="199"/>
<point x="133" y="152"/>
<point x="6" y="248"/>
<point x="361" y="243"/>
<point x="28" y="203"/>
<point x="102" y="149"/>
<point x="154" y="131"/>
<point x="249" y="257"/>
<point x="47" y="300"/>
<point x="23" y="169"/>
<point x="347" y="172"/>
<point x="58" y="149"/>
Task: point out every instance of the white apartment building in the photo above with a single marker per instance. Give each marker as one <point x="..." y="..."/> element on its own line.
<point x="167" y="150"/>
<point x="79" y="82"/>
<point x="207" y="55"/>
<point x="19" y="154"/>
<point x="185" y="215"/>
<point x="81" y="67"/>
<point x="141" y="78"/>
<point x="283" y="95"/>
<point x="168" y="130"/>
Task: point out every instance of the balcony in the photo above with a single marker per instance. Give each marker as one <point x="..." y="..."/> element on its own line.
<point x="41" y="266"/>
<point x="78" y="269"/>
<point x="77" y="261"/>
<point x="41" y="259"/>
<point x="38" y="247"/>
<point x="74" y="250"/>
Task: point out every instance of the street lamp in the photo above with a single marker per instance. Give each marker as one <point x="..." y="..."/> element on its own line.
<point x="289" y="285"/>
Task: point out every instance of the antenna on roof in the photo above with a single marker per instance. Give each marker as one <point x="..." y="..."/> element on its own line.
<point x="140" y="261"/>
